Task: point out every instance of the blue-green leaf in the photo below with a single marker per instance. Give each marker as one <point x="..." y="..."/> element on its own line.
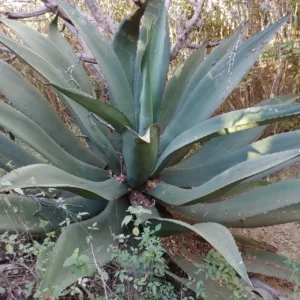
<point x="22" y="214"/>
<point x="217" y="235"/>
<point x="219" y="82"/>
<point x="227" y="179"/>
<point x="125" y="43"/>
<point x="273" y="204"/>
<point x="47" y="176"/>
<point x="140" y="154"/>
<point x="13" y="156"/>
<point x="154" y="65"/>
<point x="176" y="86"/>
<point x="225" y="124"/>
<point x="40" y="141"/>
<point x="76" y="236"/>
<point x="120" y="92"/>
<point x="93" y="130"/>
<point x="31" y="103"/>
<point x="186" y="174"/>
<point x="104" y="110"/>
<point x="67" y="64"/>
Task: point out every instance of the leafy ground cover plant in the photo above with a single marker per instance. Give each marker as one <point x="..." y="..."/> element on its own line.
<point x="139" y="144"/>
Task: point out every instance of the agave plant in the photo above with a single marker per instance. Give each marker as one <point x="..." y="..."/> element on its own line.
<point x="137" y="148"/>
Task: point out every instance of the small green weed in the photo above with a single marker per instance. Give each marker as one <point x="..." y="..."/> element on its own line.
<point x="141" y="270"/>
<point x="216" y="268"/>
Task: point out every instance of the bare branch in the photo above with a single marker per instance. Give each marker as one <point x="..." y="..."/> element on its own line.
<point x="279" y="74"/>
<point x="5" y="50"/>
<point x="139" y="3"/>
<point x="50" y="6"/>
<point x="87" y="59"/>
<point x="190" y="25"/>
<point x="86" y="52"/>
<point x="102" y="19"/>
<point x="25" y="15"/>
<point x="192" y="2"/>
<point x="9" y="288"/>
<point x="10" y="59"/>
<point x="167" y="3"/>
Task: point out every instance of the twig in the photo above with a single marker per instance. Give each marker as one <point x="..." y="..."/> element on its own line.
<point x="9" y="287"/>
<point x="10" y="59"/>
<point x="31" y="14"/>
<point x="102" y="121"/>
<point x="279" y="74"/>
<point x="138" y="3"/>
<point x="50" y="6"/>
<point x="86" y="51"/>
<point x="100" y="273"/>
<point x="102" y="19"/>
<point x="190" y="25"/>
<point x="87" y="59"/>
<point x="89" y="294"/>
<point x="27" y="268"/>
<point x="5" y="50"/>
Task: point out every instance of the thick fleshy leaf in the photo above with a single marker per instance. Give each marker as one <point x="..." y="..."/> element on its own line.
<point x="239" y="189"/>
<point x="228" y="45"/>
<point x="149" y="19"/>
<point x="103" y="109"/>
<point x="13" y="156"/>
<point x="108" y="223"/>
<point x="140" y="154"/>
<point x="269" y="264"/>
<point x="21" y="214"/>
<point x="219" y="82"/>
<point x="217" y="235"/>
<point x="273" y="170"/>
<point x="125" y="43"/>
<point x="284" y="215"/>
<point x="88" y="127"/>
<point x="176" y="85"/>
<point x="233" y="142"/>
<point x="120" y="92"/>
<point x="277" y="203"/>
<point x="196" y="70"/>
<point x="100" y="137"/>
<point x="225" y="124"/>
<point x="178" y="196"/>
<point x="100" y="140"/>
<point x="47" y="176"/>
<point x="194" y="175"/>
<point x="76" y="68"/>
<point x="30" y="102"/>
<point x="154" y="65"/>
<point x="69" y="66"/>
<point x="37" y="138"/>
